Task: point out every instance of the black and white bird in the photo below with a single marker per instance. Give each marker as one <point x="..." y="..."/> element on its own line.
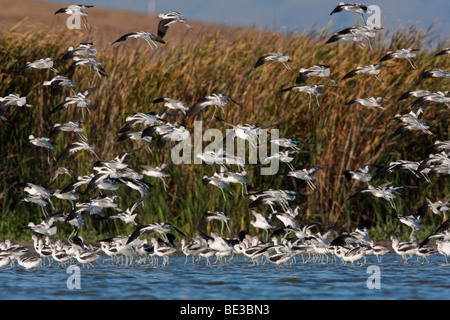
<point x="306" y="174"/>
<point x="68" y="127"/>
<point x="57" y="83"/>
<point x="414" y="93"/>
<point x="412" y="124"/>
<point x="150" y="38"/>
<point x="11" y="100"/>
<point x="274" y="56"/>
<point x="215" y="99"/>
<point x="401" y="54"/>
<point x="88" y="62"/>
<point x="358" y="8"/>
<point x="76" y="10"/>
<point x="84" y="50"/>
<point x="168" y="19"/>
<point x="412" y="221"/>
<point x="435" y="73"/>
<point x="159" y="227"/>
<point x="356" y="35"/>
<point x="173" y="104"/>
<point x="442" y="52"/>
<point x="80" y="100"/>
<point x="372" y="69"/>
<point x="75" y="147"/>
<point x="367" y="102"/>
<point x="209" y="216"/>
<point x="262" y="222"/>
<point x="41" y="142"/>
<point x="44" y="63"/>
<point x="385" y="191"/>
<point x="318" y="70"/>
<point x="156" y="172"/>
<point x="361" y="174"/>
<point x="128" y="216"/>
<point x="310" y="90"/>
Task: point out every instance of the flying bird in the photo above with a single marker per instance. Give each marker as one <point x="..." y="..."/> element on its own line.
<point x="358" y="8"/>
<point x="77" y="10"/>
<point x="369" y="70"/>
<point x="367" y="102"/>
<point x="402" y="54"/>
<point x="274" y="56"/>
<point x="173" y="104"/>
<point x="150" y="38"/>
<point x="443" y="52"/>
<point x="46" y="63"/>
<point x="435" y="73"/>
<point x="318" y="70"/>
<point x="168" y="19"/>
<point x="216" y="100"/>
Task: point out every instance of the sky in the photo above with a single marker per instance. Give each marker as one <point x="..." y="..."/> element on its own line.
<point x="301" y="16"/>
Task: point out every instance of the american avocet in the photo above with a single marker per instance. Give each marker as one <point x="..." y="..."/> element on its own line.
<point x="160" y="227"/>
<point x="306" y="174"/>
<point x="443" y="52"/>
<point x="361" y="174"/>
<point x="367" y="102"/>
<point x="405" y="249"/>
<point x="193" y="249"/>
<point x="29" y="262"/>
<point x="45" y="63"/>
<point x="378" y="250"/>
<point x="77" y="11"/>
<point x="84" y="50"/>
<point x="435" y="73"/>
<point x="173" y="104"/>
<point x="274" y="56"/>
<point x="218" y="181"/>
<point x="156" y="172"/>
<point x="41" y="142"/>
<point x="150" y="38"/>
<point x="372" y="69"/>
<point x="88" y="62"/>
<point x="75" y="147"/>
<point x="401" y="54"/>
<point x="168" y="19"/>
<point x="215" y="99"/>
<point x="382" y="191"/>
<point x="209" y="216"/>
<point x="356" y="35"/>
<point x="358" y="8"/>
<point x="57" y="83"/>
<point x="79" y="100"/>
<point x="411" y="221"/>
<point x="414" y="93"/>
<point x="262" y="222"/>
<point x="318" y="70"/>
<point x="68" y="127"/>
<point x="11" y="100"/>
<point x="412" y="123"/>
<point x="86" y="258"/>
<point x="438" y="97"/>
<point x="310" y="90"/>
<point x="128" y="216"/>
<point x="163" y="251"/>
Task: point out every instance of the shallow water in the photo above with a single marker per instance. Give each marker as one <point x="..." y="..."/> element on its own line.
<point x="237" y="280"/>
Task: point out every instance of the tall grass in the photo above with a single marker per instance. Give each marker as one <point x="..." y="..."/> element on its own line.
<point x="341" y="137"/>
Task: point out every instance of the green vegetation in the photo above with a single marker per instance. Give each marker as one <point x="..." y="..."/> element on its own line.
<point x="342" y="137"/>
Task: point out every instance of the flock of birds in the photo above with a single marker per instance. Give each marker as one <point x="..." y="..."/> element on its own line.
<point x="314" y="242"/>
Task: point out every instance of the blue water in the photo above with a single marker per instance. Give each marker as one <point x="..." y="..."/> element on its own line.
<point x="237" y="280"/>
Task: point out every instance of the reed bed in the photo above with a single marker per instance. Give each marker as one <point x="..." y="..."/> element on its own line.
<point x="339" y="136"/>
